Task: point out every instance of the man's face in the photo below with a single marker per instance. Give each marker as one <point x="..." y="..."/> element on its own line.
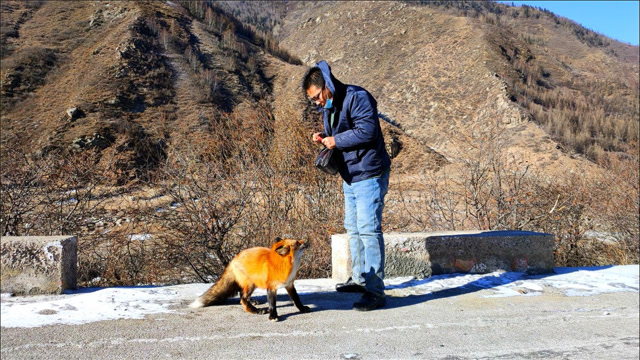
<point x="317" y="95"/>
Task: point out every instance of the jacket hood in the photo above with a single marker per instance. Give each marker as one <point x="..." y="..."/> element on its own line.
<point x="326" y="74"/>
<point x="334" y="85"/>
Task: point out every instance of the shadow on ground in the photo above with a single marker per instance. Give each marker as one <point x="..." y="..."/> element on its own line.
<point x="332" y="300"/>
<point x="342" y="301"/>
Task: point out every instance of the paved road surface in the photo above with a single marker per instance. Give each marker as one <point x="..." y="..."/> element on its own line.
<point x="459" y="323"/>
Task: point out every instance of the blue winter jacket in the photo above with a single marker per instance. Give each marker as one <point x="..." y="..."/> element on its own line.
<point x="356" y="130"/>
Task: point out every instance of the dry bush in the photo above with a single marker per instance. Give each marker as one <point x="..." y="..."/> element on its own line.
<point x="618" y="205"/>
<point x="212" y="198"/>
<point x="20" y="181"/>
<point x="54" y="195"/>
<point x="65" y="194"/>
<point x="491" y="191"/>
<point x="243" y="186"/>
<point x="125" y="254"/>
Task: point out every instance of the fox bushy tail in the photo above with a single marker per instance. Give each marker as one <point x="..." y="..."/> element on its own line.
<point x="223" y="289"/>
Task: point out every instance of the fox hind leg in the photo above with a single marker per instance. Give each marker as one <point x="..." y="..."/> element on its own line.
<point x="247" y="303"/>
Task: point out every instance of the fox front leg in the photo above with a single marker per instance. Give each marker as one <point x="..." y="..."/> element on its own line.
<point x="271" y="298"/>
<point x="293" y="294"/>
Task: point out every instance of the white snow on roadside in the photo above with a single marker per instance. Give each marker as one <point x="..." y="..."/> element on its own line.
<point x="595" y="280"/>
<point x="581" y="281"/>
<point x="98" y="304"/>
<point x="85" y="305"/>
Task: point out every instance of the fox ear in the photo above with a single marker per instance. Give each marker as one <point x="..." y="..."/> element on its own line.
<point x="278" y="238"/>
<point x="282" y="250"/>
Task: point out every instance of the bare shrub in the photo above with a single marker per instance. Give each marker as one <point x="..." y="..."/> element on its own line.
<point x="54" y="195"/>
<point x="20" y="182"/>
<point x="128" y="252"/>
<point x="241" y="186"/>
<point x="432" y="206"/>
<point x="64" y="194"/>
<point x="618" y="204"/>
<point x="212" y="198"/>
<point x="491" y="191"/>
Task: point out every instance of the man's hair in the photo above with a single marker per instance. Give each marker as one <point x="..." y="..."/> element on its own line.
<point x="313" y="77"/>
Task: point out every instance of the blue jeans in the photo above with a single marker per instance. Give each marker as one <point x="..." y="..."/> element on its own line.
<point x="363" y="204"/>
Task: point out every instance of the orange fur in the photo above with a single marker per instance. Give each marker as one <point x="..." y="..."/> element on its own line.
<point x="259" y="267"/>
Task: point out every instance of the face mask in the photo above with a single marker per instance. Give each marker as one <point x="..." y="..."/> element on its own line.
<point x="328" y="104"/>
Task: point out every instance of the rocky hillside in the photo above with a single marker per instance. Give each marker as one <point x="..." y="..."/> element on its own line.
<point x="446" y="77"/>
<point x="144" y="78"/>
<point x="143" y="75"/>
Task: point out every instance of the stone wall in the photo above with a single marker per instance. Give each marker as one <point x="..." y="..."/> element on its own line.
<point x="424" y="254"/>
<point x="38" y="264"/>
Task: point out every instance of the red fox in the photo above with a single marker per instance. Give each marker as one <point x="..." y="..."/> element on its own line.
<point x="260" y="267"/>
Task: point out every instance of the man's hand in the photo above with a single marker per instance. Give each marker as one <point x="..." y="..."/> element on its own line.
<point x="317" y="138"/>
<point x="329" y="142"/>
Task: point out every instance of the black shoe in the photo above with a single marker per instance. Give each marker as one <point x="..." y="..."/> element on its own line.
<point x="350" y="286"/>
<point x="370" y="301"/>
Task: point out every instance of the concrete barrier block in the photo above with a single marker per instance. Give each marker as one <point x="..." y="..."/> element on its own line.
<point x="424" y="254"/>
<point x="38" y="264"/>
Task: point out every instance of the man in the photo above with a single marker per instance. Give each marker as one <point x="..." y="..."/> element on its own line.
<point x="351" y="125"/>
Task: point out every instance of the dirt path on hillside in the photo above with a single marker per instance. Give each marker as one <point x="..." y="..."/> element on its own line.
<point x="183" y="83"/>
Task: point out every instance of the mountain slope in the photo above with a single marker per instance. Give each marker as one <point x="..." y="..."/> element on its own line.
<point x="442" y="77"/>
<point x="144" y="76"/>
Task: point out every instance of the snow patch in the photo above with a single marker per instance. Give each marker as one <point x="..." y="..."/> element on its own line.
<point x="100" y="304"/>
